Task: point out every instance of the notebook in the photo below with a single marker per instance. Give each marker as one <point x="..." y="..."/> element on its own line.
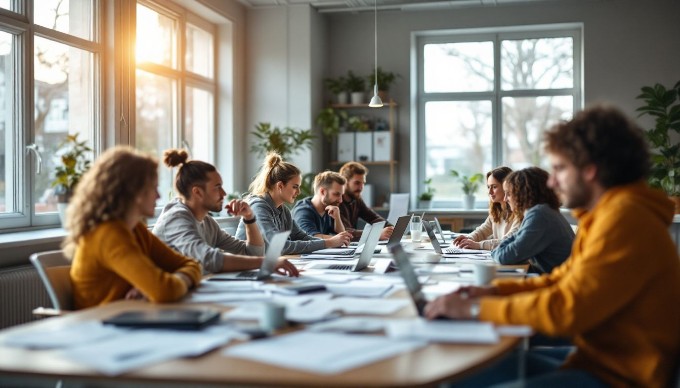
<point x="398" y="232"/>
<point x="365" y="257"/>
<point x="268" y="266"/>
<point x="177" y="319"/>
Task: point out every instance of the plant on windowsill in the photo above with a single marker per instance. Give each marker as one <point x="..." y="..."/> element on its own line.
<point x="73" y="164"/>
<point x="425" y="198"/>
<point x="664" y="105"/>
<point x="357" y="87"/>
<point x="470" y="186"/>
<point x="287" y="142"/>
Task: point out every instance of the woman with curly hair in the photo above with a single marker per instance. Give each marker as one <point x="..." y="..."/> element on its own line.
<point x="500" y="223"/>
<point x="544" y="236"/>
<point x="114" y="255"/>
<point x="278" y="182"/>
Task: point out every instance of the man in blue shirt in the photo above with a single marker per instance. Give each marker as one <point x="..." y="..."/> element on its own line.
<point x="319" y="215"/>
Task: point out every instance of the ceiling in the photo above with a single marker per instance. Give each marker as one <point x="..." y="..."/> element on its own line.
<point x="328" y="6"/>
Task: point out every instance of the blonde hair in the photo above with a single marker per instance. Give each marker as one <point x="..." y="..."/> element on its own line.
<point x="107" y="192"/>
<point x="273" y="170"/>
<point x="327" y="178"/>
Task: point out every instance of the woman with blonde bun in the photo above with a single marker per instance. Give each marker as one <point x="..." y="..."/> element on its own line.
<point x="276" y="184"/>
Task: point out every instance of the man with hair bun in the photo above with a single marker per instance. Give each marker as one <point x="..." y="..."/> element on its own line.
<point x="186" y="225"/>
<point x="319" y="215"/>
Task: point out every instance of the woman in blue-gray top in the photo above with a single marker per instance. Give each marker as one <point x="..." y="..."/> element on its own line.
<point x="278" y="182"/>
<point x="544" y="237"/>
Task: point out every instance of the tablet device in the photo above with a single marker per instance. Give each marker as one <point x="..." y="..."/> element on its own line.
<point x="177" y="319"/>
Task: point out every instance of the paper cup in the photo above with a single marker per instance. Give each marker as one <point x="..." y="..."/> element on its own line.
<point x="484" y="273"/>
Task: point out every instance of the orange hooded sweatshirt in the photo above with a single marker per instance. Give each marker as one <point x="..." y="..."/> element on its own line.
<point x="617" y="296"/>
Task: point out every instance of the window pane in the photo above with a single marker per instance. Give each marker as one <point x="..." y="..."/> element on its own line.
<point x="72" y="17"/>
<point x="457" y="136"/>
<point x="524" y="121"/>
<point x="64" y="104"/>
<point x="156" y="101"/>
<point x="537" y="63"/>
<point x="7" y="4"/>
<point x="7" y="104"/>
<point x="199" y="55"/>
<point x="199" y="125"/>
<point x="458" y="67"/>
<point x="156" y="38"/>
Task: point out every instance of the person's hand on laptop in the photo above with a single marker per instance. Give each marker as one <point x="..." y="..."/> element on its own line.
<point x="458" y="240"/>
<point x="457" y="305"/>
<point x="285" y="267"/>
<point x="476" y="292"/>
<point x="339" y="240"/>
<point x="135" y="294"/>
<point x="468" y="244"/>
<point x="386" y="232"/>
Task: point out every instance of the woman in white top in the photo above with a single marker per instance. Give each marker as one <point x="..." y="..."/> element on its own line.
<point x="500" y="223"/>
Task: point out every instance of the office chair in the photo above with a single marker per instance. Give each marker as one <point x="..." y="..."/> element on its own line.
<point x="54" y="269"/>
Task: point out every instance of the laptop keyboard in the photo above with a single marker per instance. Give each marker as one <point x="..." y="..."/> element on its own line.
<point x="247" y="274"/>
<point x="340" y="266"/>
<point x="453" y="250"/>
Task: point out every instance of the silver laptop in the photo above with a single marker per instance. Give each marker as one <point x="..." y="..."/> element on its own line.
<point x="438" y="226"/>
<point x="415" y="289"/>
<point x="366" y="253"/>
<point x="364" y="236"/>
<point x="399" y="229"/>
<point x="433" y="238"/>
<point x="268" y="266"/>
<point x="346" y="251"/>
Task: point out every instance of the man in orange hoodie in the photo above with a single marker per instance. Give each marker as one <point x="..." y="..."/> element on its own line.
<point x="618" y="295"/>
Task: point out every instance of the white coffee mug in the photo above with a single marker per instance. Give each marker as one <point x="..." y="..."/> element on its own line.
<point x="272" y="316"/>
<point x="484" y="273"/>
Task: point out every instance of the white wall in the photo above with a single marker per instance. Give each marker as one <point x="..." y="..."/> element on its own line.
<point x="627" y="44"/>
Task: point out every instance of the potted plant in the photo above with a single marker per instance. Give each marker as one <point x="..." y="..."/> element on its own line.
<point x="425" y="198"/>
<point x="73" y="163"/>
<point x="357" y="124"/>
<point x="356" y="86"/>
<point x="470" y="186"/>
<point x="385" y="80"/>
<point x="330" y="121"/>
<point x="338" y="86"/>
<point x="664" y="105"/>
<point x="286" y="142"/>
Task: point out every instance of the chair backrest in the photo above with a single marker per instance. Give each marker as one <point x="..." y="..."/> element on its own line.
<point x="54" y="271"/>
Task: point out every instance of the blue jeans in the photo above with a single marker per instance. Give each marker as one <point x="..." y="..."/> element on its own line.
<point x="542" y="370"/>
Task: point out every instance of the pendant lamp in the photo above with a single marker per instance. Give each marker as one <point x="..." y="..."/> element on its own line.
<point x="376" y="102"/>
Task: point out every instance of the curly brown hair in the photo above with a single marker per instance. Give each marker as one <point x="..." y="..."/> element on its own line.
<point x="107" y="191"/>
<point x="273" y="170"/>
<point x="499" y="210"/>
<point x="529" y="187"/>
<point x="602" y="135"/>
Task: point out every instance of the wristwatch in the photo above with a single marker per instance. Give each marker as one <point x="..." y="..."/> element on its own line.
<point x="474" y="310"/>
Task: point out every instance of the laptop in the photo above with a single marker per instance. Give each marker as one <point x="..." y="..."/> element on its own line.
<point x="268" y="264"/>
<point x="364" y="236"/>
<point x="413" y="286"/>
<point x="398" y="232"/>
<point x="174" y="318"/>
<point x="364" y="258"/>
<point x="439" y="229"/>
<point x="354" y="248"/>
<point x="433" y="238"/>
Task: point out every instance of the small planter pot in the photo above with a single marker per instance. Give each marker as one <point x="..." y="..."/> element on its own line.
<point x="343" y="98"/>
<point x="357" y="98"/>
<point x="469" y="201"/>
<point x="61" y="208"/>
<point x="424" y="204"/>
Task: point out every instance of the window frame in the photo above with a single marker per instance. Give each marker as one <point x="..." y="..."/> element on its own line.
<point x="496" y="35"/>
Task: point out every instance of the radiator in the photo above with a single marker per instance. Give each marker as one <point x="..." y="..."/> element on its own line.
<point x="21" y="291"/>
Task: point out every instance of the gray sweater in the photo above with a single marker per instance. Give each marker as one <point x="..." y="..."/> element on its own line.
<point x="271" y="220"/>
<point x="202" y="240"/>
<point x="543" y="239"/>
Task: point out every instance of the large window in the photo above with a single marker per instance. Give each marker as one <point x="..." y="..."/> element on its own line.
<point x="44" y="96"/>
<point x="176" y="86"/>
<point x="485" y="98"/>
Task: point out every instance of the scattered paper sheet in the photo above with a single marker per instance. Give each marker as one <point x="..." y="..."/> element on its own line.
<point x="221" y="297"/>
<point x="64" y="336"/>
<point x="360" y="288"/>
<point x="443" y="331"/>
<point x="351" y="305"/>
<point x="322" y="353"/>
<point x="351" y="325"/>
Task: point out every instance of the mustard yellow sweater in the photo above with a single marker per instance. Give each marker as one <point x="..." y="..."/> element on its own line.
<point x="617" y="296"/>
<point x="112" y="259"/>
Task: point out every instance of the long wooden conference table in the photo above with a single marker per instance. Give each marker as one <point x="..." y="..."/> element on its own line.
<point x="427" y="366"/>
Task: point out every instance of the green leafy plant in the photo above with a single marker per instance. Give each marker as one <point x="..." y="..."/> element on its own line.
<point x="664" y="105"/>
<point x="356" y="123"/>
<point x="286" y="142"/>
<point x="336" y="85"/>
<point x="471" y="183"/>
<point x="330" y="120"/>
<point x="306" y="186"/>
<point x="355" y="83"/>
<point x="74" y="163"/>
<point x="429" y="191"/>
<point x="385" y="79"/>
